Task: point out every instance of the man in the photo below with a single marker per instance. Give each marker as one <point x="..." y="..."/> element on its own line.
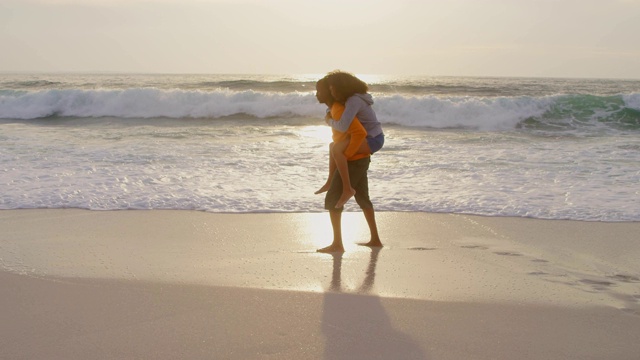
<point x="358" y="165"/>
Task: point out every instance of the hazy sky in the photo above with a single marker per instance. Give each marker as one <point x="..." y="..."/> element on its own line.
<point x="557" y="38"/>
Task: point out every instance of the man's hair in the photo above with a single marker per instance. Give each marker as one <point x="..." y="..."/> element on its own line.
<point x="324" y="85"/>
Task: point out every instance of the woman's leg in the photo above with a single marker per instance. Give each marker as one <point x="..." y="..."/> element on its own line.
<point x="337" y="153"/>
<point x="332" y="171"/>
<point x="341" y="164"/>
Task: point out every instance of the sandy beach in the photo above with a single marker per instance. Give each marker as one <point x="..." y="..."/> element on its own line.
<point x="80" y="284"/>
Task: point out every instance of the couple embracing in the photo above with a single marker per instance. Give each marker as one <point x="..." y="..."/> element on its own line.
<point x="357" y="134"/>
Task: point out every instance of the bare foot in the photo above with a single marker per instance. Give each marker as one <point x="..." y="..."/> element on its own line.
<point x="331" y="249"/>
<point x="345" y="197"/>
<point x="324" y="188"/>
<point x="372" y="243"/>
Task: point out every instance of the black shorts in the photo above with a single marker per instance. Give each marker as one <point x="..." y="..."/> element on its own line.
<point x="359" y="181"/>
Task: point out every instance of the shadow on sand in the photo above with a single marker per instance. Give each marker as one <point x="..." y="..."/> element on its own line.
<point x="357" y="326"/>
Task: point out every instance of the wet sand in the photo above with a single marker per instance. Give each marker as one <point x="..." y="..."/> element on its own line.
<point x="179" y="284"/>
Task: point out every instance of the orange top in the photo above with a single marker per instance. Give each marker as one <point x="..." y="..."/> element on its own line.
<point x="355" y="130"/>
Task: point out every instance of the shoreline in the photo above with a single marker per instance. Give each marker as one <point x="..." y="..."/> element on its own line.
<point x="170" y="284"/>
<point x="323" y="211"/>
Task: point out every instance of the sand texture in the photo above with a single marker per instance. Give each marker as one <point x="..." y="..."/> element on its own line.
<point x="82" y="284"/>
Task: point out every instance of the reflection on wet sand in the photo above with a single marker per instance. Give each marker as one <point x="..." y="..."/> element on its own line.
<point x="357" y="325"/>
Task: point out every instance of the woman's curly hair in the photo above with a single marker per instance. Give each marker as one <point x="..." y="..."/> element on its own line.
<point x="345" y="85"/>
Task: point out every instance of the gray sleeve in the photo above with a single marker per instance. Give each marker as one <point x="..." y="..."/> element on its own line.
<point x="351" y="108"/>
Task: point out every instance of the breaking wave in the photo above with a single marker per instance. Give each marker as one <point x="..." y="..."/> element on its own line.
<point x="485" y="113"/>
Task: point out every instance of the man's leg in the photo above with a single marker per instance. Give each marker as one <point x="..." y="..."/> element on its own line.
<point x="358" y="175"/>
<point x="336" y="225"/>
<point x="361" y="185"/>
<point x="330" y="199"/>
<point x="370" y="216"/>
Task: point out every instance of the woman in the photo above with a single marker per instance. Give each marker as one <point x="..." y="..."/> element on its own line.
<point x="352" y="92"/>
<point x="345" y="144"/>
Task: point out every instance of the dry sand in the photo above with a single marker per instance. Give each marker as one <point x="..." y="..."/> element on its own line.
<point x="190" y="285"/>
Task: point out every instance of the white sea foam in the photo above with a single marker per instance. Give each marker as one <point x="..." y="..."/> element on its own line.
<point x="149" y="103"/>
<point x="632" y="101"/>
<point x="484" y="113"/>
<point x="246" y="166"/>
<point x="428" y="111"/>
<point x="259" y="146"/>
<point x="481" y="113"/>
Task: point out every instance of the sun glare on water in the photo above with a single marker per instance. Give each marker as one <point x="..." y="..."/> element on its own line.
<point x="317" y="132"/>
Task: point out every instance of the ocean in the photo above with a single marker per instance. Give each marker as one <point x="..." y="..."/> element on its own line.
<point x="524" y="147"/>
